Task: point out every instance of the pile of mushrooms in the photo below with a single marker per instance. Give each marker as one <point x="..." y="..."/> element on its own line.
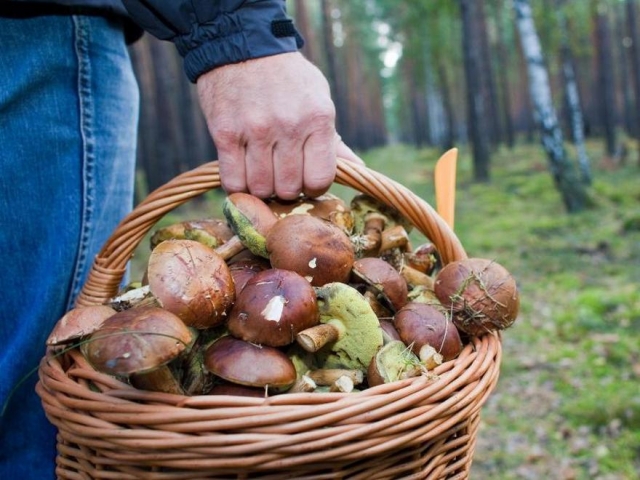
<point x="311" y="295"/>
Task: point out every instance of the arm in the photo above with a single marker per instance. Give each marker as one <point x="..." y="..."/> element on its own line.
<point x="268" y="109"/>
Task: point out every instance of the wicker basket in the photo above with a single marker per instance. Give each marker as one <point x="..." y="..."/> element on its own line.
<point x="423" y="427"/>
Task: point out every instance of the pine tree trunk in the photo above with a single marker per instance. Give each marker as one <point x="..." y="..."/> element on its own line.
<point x="301" y="16"/>
<point x="503" y="82"/>
<point x="624" y="60"/>
<point x="572" y="190"/>
<point x="632" y="19"/>
<point x="448" y="139"/>
<point x="476" y="112"/>
<point x="488" y="77"/>
<point x="605" y="82"/>
<point x="337" y="88"/>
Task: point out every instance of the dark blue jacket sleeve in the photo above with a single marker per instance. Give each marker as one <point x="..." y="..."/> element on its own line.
<point x="212" y="33"/>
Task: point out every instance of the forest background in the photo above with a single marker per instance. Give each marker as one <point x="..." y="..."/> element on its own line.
<point x="542" y="99"/>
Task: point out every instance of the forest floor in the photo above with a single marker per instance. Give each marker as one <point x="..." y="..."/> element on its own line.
<point x="567" y="404"/>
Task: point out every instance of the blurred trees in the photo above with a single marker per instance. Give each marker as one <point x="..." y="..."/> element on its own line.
<point x="440" y="74"/>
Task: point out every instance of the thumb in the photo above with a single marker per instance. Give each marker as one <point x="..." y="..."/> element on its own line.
<point x="343" y="151"/>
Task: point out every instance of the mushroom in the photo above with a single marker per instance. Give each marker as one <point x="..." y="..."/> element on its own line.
<point x="383" y="279"/>
<point x="273" y="307"/>
<point x="423" y="294"/>
<point x="138" y="344"/>
<point x="189" y="368"/>
<point x="421" y="326"/>
<point x="328" y="376"/>
<point x="343" y="384"/>
<point x="481" y="293"/>
<point x="78" y="323"/>
<point x="192" y="281"/>
<point x="371" y="219"/>
<point x="424" y="258"/>
<point x="349" y="334"/>
<point x="314" y="248"/>
<point x="328" y="207"/>
<point x="389" y="332"/>
<point x="302" y="385"/>
<point x="248" y="364"/>
<point x="250" y="219"/>
<point x="393" y="361"/>
<point x="212" y="232"/>
<point x="381" y="311"/>
<point x="243" y="268"/>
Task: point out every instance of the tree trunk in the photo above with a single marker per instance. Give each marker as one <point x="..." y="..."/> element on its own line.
<point x="605" y="84"/>
<point x="573" y="192"/>
<point x="625" y="79"/>
<point x="632" y="19"/>
<point x="301" y="16"/>
<point x="337" y="88"/>
<point x="573" y="97"/>
<point x="503" y="80"/>
<point x="448" y="140"/>
<point x="488" y="77"/>
<point x="476" y="112"/>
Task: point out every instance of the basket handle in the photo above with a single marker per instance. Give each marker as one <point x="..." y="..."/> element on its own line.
<point x="109" y="266"/>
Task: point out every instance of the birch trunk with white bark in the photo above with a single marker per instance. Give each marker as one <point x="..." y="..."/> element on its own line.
<point x="573" y="193"/>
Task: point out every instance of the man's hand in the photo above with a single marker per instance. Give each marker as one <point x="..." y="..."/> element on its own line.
<point x="273" y="122"/>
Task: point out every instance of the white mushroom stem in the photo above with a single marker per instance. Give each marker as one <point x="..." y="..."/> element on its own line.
<point x="314" y="338"/>
<point x="415" y="277"/>
<point x="230" y="248"/>
<point x="344" y="384"/>
<point x="395" y="237"/>
<point x="303" y="384"/>
<point x="429" y="357"/>
<point x="328" y="376"/>
<point x="138" y="297"/>
<point x="160" y="379"/>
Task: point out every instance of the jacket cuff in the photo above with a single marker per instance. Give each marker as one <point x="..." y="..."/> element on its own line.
<point x="259" y="29"/>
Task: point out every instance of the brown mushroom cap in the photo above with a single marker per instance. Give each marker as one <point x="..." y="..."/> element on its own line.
<point x="136" y="341"/>
<point x="420" y="324"/>
<point x="79" y="322"/>
<point x="273" y="307"/>
<point x="192" y="281"/>
<point x="210" y="231"/>
<point x="243" y="268"/>
<point x="481" y="293"/>
<point x="384" y="279"/>
<point x="328" y="207"/>
<point x="247" y="364"/>
<point x="314" y="248"/>
<point x="250" y="219"/>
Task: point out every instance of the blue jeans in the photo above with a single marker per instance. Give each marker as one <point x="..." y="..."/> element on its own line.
<point x="68" y="124"/>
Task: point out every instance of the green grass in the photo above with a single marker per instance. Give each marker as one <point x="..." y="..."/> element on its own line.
<point x="567" y="405"/>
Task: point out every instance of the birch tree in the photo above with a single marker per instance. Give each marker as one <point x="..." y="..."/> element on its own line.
<point x="573" y="192"/>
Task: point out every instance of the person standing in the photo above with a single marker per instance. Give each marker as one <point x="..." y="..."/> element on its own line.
<point x="68" y="123"/>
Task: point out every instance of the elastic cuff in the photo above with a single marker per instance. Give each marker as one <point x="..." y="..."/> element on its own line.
<point x="231" y="49"/>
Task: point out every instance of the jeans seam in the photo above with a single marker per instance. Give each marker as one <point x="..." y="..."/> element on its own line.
<point x="87" y="116"/>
